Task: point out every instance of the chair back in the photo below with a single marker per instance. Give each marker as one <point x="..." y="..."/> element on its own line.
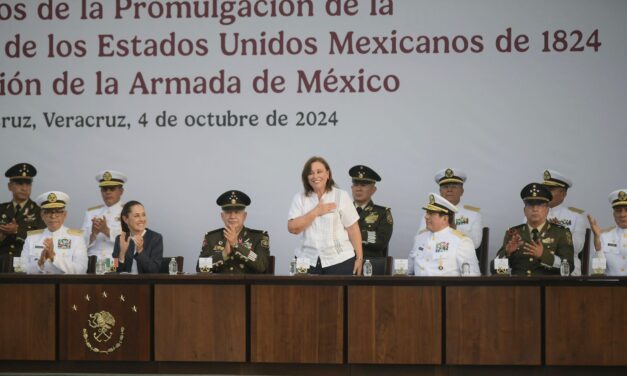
<point x="381" y="265"/>
<point x="6" y="263"/>
<point x="270" y="268"/>
<point x="482" y="251"/>
<point x="584" y="255"/>
<point x="91" y="264"/>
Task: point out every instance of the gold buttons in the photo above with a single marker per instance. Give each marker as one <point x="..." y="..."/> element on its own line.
<point x="231" y="268"/>
<point x="530" y="259"/>
<point x="528" y="272"/>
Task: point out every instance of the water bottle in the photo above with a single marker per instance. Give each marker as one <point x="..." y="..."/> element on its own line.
<point x="465" y="269"/>
<point x="293" y="266"/>
<point x="565" y="268"/>
<point x="367" y="269"/>
<point x="173" y="267"/>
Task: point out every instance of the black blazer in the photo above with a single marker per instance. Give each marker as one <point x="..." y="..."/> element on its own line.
<point x="149" y="261"/>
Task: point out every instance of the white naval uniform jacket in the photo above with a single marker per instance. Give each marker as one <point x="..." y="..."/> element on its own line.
<point x="326" y="237"/>
<point x="468" y="222"/>
<point x="69" y="248"/>
<point x="614" y="249"/>
<point x="102" y="246"/>
<point x="576" y="223"/>
<point x="442" y="253"/>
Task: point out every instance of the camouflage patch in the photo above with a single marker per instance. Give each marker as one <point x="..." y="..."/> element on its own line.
<point x="265" y="242"/>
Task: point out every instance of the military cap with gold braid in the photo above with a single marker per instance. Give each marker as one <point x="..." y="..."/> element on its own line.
<point x="439" y="204"/>
<point x="363" y="174"/>
<point x="233" y="200"/>
<point x="618" y="198"/>
<point x="110" y="178"/>
<point x="53" y="200"/>
<point x="21" y="173"/>
<point x="536" y="193"/>
<point x="553" y="178"/>
<point x="450" y="176"/>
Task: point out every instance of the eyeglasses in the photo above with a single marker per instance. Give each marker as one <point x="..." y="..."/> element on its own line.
<point x="51" y="212"/>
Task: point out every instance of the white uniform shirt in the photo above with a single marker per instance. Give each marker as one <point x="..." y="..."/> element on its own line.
<point x="69" y="248"/>
<point x="326" y="237"/>
<point x="576" y="223"/>
<point x="442" y="253"/>
<point x="102" y="246"/>
<point x="467" y="221"/>
<point x="614" y="249"/>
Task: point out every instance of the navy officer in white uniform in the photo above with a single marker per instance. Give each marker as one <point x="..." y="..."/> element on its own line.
<point x="570" y="217"/>
<point x="441" y="250"/>
<point x="612" y="243"/>
<point x="468" y="218"/>
<point x="55" y="249"/>
<point x="102" y="223"/>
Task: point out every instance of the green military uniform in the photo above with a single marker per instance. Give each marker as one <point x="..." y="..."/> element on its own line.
<point x="378" y="220"/>
<point x="28" y="218"/>
<point x="556" y="240"/>
<point x="250" y="255"/>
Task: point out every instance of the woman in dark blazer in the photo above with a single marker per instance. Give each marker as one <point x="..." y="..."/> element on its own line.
<point x="137" y="248"/>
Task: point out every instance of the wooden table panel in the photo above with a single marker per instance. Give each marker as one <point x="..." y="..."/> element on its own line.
<point x="493" y="325"/>
<point x="200" y="323"/>
<point x="86" y="329"/>
<point x="27" y="322"/>
<point x="394" y="325"/>
<point x="586" y="326"/>
<point x="297" y="324"/>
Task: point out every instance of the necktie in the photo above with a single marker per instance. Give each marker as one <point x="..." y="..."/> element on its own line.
<point x="17" y="208"/>
<point x="359" y="210"/>
<point x="534" y="234"/>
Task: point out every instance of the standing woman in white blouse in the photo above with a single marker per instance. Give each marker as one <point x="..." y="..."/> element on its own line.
<point x="327" y="222"/>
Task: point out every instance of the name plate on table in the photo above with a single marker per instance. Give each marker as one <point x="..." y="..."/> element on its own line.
<point x="401" y="266"/>
<point x="501" y="265"/>
<point x="302" y="265"/>
<point x="205" y="264"/>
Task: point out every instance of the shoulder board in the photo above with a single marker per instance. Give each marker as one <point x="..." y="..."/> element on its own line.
<point x="7" y="204"/>
<point x="263" y="232"/>
<point x="73" y="231"/>
<point x="458" y="233"/>
<point x="519" y="226"/>
<point x="557" y="225"/>
<point x="95" y="207"/>
<point x="214" y="231"/>
<point x="608" y="229"/>
<point x="422" y="231"/>
<point x="35" y="232"/>
<point x="472" y="208"/>
<point x="380" y="207"/>
<point x="576" y="210"/>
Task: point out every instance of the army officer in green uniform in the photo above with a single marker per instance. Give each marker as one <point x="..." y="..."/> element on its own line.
<point x="236" y="249"/>
<point x="21" y="214"/>
<point x="375" y="222"/>
<point x="538" y="246"/>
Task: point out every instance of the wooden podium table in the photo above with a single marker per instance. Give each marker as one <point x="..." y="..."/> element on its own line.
<point x="312" y="324"/>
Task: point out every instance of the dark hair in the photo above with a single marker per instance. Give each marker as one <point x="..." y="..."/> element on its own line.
<point x="126" y="209"/>
<point x="307" y="169"/>
<point x="451" y="220"/>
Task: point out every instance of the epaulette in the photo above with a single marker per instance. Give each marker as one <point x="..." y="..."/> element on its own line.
<point x="472" y="208"/>
<point x="422" y="231"/>
<point x="95" y="207"/>
<point x="73" y="231"/>
<point x="576" y="210"/>
<point x="458" y="233"/>
<point x="519" y="226"/>
<point x="608" y="229"/>
<point x="214" y="231"/>
<point x="557" y="225"/>
<point x="263" y="232"/>
<point x="35" y="232"/>
<point x="380" y="207"/>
